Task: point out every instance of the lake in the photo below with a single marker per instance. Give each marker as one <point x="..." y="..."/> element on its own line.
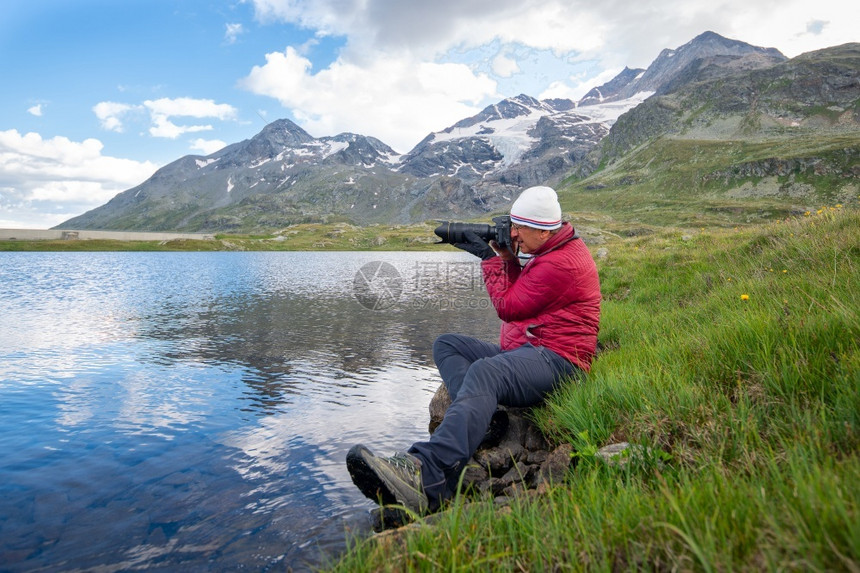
<point x="192" y="411"/>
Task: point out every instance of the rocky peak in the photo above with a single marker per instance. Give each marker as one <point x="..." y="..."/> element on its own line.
<point x="354" y="149"/>
<point x="611" y="88"/>
<point x="708" y="51"/>
<point x="285" y="133"/>
<point x="511" y="108"/>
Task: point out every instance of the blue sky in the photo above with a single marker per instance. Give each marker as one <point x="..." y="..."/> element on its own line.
<point x="98" y="94"/>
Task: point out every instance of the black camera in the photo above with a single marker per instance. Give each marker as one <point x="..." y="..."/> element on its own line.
<point x="450" y="232"/>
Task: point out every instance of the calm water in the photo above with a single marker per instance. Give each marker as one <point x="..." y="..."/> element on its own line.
<point x="193" y="411"/>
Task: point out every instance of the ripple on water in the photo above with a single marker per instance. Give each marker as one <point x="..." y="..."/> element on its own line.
<point x="176" y="410"/>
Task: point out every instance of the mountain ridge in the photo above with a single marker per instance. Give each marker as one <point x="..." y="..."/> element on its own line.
<point x="472" y="168"/>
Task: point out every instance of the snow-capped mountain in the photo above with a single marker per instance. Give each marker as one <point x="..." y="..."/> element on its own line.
<point x="283" y="175"/>
<point x="521" y="141"/>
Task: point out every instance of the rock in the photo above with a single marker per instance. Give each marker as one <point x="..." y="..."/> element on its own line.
<point x="515" y="458"/>
<point x="537" y="457"/>
<point x="557" y="464"/>
<point x="438" y="405"/>
<point x="622" y="453"/>
<point x="535" y="441"/>
<point x="498" y="460"/>
<point x="474" y="474"/>
<point x="612" y="451"/>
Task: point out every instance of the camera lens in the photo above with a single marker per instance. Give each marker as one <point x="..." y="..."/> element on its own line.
<point x="454" y="233"/>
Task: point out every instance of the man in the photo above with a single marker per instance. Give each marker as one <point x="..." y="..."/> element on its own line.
<point x="550" y="309"/>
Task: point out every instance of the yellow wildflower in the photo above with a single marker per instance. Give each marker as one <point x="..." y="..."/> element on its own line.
<point x="745" y="297"/>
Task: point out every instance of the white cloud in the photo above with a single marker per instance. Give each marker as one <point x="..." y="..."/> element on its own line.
<point x="575" y="87"/>
<point x="232" y="32"/>
<point x="392" y="98"/>
<point x="161" y="110"/>
<point x="505" y="66"/>
<point x="797" y="27"/>
<point x="46" y="181"/>
<point x="207" y="146"/>
<point x="111" y="114"/>
<point x="163" y="127"/>
<point x="190" y="107"/>
<point x="35" y="110"/>
<point x="389" y="80"/>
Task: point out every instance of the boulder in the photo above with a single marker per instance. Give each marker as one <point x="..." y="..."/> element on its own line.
<point x="515" y="459"/>
<point x="514" y="456"/>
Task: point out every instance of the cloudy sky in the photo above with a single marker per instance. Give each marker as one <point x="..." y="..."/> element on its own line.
<point x="98" y="94"/>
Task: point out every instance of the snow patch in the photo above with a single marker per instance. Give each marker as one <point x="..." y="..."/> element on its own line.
<point x="203" y="163"/>
<point x="510" y="136"/>
<point x="229" y="184"/>
<point x="334" y="147"/>
<point x="260" y="163"/>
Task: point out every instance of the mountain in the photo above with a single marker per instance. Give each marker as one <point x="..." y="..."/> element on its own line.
<point x="283" y="175"/>
<point x="674" y="68"/>
<point x="752" y="146"/>
<point x="514" y="144"/>
<point x="816" y="93"/>
<point x="271" y="180"/>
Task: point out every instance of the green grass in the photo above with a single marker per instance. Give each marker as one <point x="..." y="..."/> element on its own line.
<point x="714" y="183"/>
<point x="302" y="237"/>
<point x="734" y="355"/>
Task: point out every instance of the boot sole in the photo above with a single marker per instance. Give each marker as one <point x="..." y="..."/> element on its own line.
<point x="365" y="479"/>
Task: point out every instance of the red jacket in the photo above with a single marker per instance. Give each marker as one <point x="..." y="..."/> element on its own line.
<point x="553" y="301"/>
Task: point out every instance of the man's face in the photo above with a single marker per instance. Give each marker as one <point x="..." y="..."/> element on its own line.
<point x="527" y="239"/>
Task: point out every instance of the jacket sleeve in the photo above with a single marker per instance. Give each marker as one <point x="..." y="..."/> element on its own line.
<point x="518" y="295"/>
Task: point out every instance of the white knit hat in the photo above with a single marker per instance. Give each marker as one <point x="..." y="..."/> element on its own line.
<point x="537" y="207"/>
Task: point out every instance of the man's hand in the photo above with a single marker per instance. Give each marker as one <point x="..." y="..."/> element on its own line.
<point x="477" y="246"/>
<point x="506" y="254"/>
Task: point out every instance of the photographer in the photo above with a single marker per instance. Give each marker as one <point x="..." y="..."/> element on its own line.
<point x="550" y="309"/>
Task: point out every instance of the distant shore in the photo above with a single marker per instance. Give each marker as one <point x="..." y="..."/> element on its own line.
<point x="302" y="237"/>
<point x="68" y="234"/>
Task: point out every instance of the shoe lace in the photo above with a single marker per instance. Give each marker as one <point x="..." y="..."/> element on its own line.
<point x="405" y="461"/>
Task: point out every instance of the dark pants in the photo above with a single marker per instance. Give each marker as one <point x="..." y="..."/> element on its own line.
<point x="479" y="376"/>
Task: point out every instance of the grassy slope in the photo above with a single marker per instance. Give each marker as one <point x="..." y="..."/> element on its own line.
<point x="735" y="356"/>
<point x="689" y="183"/>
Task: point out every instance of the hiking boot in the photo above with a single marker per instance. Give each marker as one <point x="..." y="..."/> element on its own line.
<point x="388" y="480"/>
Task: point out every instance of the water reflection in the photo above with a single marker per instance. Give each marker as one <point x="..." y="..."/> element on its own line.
<point x="194" y="410"/>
